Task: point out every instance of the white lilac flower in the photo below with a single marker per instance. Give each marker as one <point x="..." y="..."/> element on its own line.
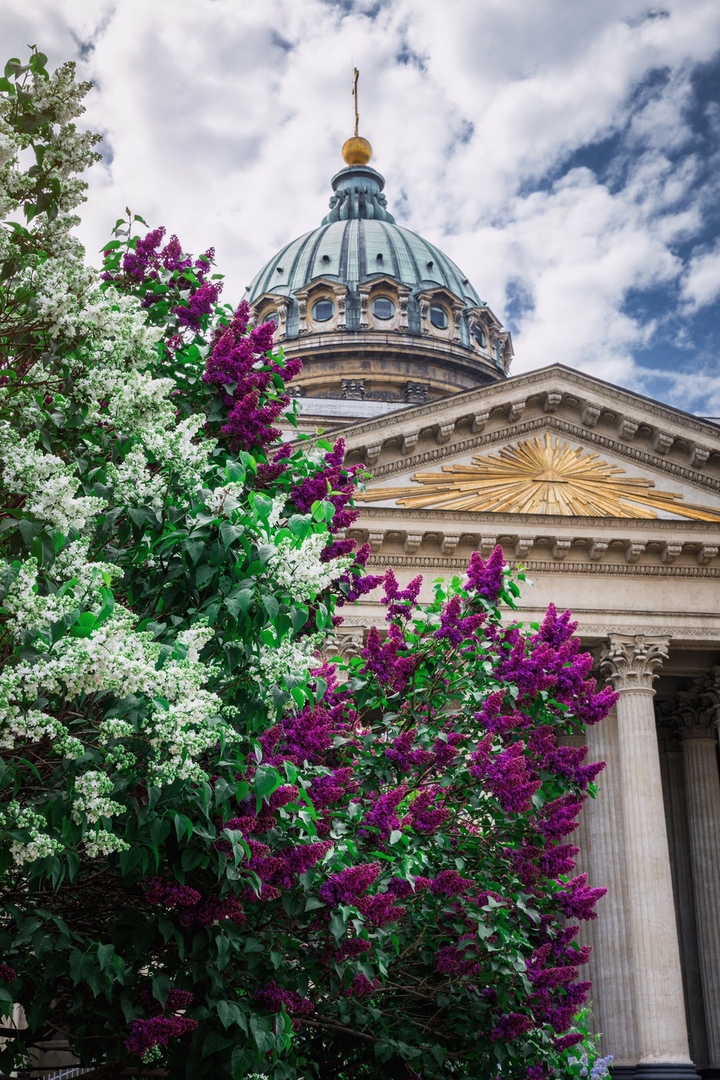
<point x="297" y="569"/>
<point x="39" y="845"/>
<point x="91" y="797"/>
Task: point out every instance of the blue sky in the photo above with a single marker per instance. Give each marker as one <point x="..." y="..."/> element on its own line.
<point x="566" y="155"/>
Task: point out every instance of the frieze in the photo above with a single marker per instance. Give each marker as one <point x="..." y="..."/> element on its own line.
<point x="440" y="562"/>
<point x="678" y="634"/>
<point x="504" y="521"/>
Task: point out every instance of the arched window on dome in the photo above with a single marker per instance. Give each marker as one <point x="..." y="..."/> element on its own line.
<point x="439" y="317"/>
<point x="270" y="316"/>
<point x="323" y="310"/>
<point x="481" y="337"/>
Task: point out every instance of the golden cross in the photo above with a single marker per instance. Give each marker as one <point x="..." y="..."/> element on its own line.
<point x="356" y="76"/>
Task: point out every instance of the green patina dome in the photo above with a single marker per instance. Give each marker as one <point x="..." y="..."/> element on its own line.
<point x="359" y="241"/>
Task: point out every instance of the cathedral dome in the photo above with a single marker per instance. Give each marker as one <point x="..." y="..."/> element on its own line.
<point x="376" y="312"/>
<point x="359" y="242"/>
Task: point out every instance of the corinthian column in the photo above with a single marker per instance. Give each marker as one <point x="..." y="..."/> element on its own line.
<point x="702" y="793"/>
<point x="681" y="866"/>
<point x="602" y="819"/>
<point x="630" y="663"/>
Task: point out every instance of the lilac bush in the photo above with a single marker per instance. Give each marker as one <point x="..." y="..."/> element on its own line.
<point x="223" y="852"/>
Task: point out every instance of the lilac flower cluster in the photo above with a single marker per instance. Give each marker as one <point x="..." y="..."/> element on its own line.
<point x="7" y="974"/>
<point x="511" y="1026"/>
<point x="379" y="910"/>
<point x="486" y="578"/>
<point x="459" y="960"/>
<point x="346" y="886"/>
<point x="361" y="987"/>
<point x="196" y="909"/>
<point x="246" y="379"/>
<point x="405" y="755"/>
<point x="453" y="626"/>
<point x="578" y="900"/>
<point x="281" y="870"/>
<point x="400" y="603"/>
<point x="159" y="1029"/>
<point x="275" y="999"/>
<point x="428" y="812"/>
<point x="506" y="775"/>
<point x="334" y="483"/>
<point x="390" y="660"/>
<point x="148" y="263"/>
<point x="354" y="583"/>
<point x="383" y="814"/>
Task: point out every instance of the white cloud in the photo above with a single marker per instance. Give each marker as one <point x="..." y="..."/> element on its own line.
<point x="225" y="122"/>
<point x="701" y="282"/>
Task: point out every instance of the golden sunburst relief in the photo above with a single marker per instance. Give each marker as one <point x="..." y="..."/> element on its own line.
<point x="537" y="476"/>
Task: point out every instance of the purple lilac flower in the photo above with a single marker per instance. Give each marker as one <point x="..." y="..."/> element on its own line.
<point x="511" y="1026"/>
<point x="240" y="359"/>
<point x="7" y="974"/>
<point x="361" y="987"/>
<point x="171" y="894"/>
<point x="352" y="948"/>
<point x="274" y="998"/>
<point x="566" y="1041"/>
<point x="383" y="816"/>
<point x="402" y="754"/>
<point x="453" y="627"/>
<point x="424" y="815"/>
<point x="446" y="746"/>
<point x="400" y="602"/>
<point x="457" y="961"/>
<point x="379" y="910"/>
<point x="331" y="788"/>
<point x="450" y="883"/>
<point x="347" y="885"/>
<point x="556" y="629"/>
<point x="383" y="658"/>
<point x="158" y="1031"/>
<point x="559" y="817"/>
<point x="486" y="578"/>
<point x="578" y="900"/>
<point x="506" y="776"/>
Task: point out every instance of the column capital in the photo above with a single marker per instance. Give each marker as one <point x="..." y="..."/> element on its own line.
<point x="696" y="720"/>
<point x="629" y="661"/>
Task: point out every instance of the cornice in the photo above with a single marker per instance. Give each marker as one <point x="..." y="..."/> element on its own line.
<point x="500" y="436"/>
<point x="592" y="390"/>
<point x="556" y="566"/>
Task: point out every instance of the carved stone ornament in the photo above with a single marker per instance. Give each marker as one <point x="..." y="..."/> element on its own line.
<point x="346" y="645"/>
<point x="696" y="720"/>
<point x="629" y="662"/>
<point x="542" y="476"/>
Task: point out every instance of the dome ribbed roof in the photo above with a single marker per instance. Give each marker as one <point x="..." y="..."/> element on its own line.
<point x="357" y="242"/>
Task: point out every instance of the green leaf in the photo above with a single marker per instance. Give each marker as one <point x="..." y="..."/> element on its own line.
<point x="231" y="1013"/>
<point x="267" y="780"/>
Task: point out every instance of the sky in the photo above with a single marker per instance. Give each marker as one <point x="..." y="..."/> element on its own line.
<point x="565" y="153"/>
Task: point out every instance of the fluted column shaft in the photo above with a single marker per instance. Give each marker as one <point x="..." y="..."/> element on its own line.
<point x="602" y="824"/>
<point x="630" y="663"/>
<point x="681" y="864"/>
<point x="702" y="787"/>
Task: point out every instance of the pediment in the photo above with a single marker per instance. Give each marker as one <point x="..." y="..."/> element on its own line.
<point x="555" y="443"/>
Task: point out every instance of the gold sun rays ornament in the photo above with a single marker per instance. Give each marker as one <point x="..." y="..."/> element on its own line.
<point x="537" y="476"/>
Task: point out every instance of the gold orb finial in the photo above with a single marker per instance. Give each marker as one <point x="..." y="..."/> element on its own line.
<point x="356" y="150"/>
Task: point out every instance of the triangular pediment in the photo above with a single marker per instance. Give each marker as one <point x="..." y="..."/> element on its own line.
<point x="554" y="443"/>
